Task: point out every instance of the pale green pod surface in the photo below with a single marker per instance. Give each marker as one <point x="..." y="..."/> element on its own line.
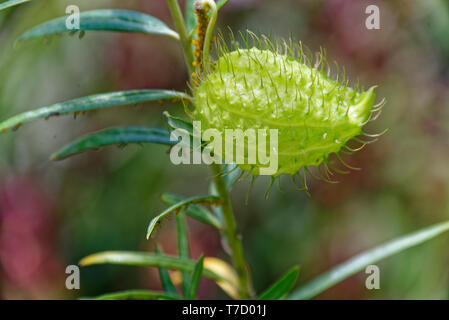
<point x="261" y="89"/>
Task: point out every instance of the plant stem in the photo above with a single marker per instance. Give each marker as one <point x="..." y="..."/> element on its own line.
<point x="234" y="240"/>
<point x="178" y="19"/>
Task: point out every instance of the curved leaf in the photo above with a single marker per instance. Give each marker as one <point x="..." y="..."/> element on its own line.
<point x="178" y="123"/>
<point x="135" y="295"/>
<point x="11" y="3"/>
<point x="178" y="206"/>
<point x="282" y="287"/>
<point x="365" y="259"/>
<point x="89" y="103"/>
<point x="182" y="125"/>
<point x="114" y="136"/>
<point x="196" y="279"/>
<point x="143" y="259"/>
<point x="225" y="271"/>
<point x="195" y="211"/>
<point x="221" y="3"/>
<point x="103" y="20"/>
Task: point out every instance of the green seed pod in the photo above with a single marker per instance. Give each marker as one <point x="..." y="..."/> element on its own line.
<point x="263" y="89"/>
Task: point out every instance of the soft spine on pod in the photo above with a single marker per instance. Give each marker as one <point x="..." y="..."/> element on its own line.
<point x="263" y="89"/>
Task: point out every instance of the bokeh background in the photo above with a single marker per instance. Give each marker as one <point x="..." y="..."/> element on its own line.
<point x="53" y="214"/>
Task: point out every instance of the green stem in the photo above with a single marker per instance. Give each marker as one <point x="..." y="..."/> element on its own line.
<point x="180" y="25"/>
<point x="234" y="240"/>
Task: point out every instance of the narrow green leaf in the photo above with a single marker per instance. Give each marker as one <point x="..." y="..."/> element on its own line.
<point x="178" y="123"/>
<point x="114" y="136"/>
<point x="191" y="20"/>
<point x="221" y="3"/>
<point x="143" y="259"/>
<point x="157" y="220"/>
<point x="89" y="103"/>
<point x="103" y="20"/>
<point x="166" y="282"/>
<point x="11" y="3"/>
<point x="195" y="211"/>
<point x="359" y="262"/>
<point x="183" y="249"/>
<point x="196" y="279"/>
<point x="282" y="287"/>
<point x="136" y="295"/>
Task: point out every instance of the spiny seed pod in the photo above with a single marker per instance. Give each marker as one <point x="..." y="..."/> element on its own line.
<point x="253" y="88"/>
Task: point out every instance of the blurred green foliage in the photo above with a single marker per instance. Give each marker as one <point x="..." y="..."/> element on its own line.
<point x="105" y="200"/>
